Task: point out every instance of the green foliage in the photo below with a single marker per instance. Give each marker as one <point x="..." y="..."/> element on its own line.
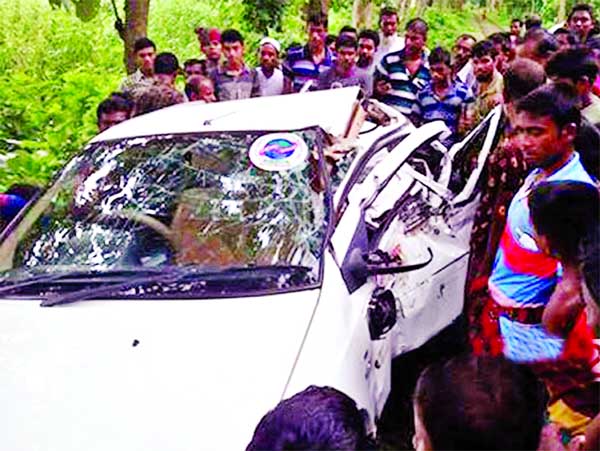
<point x="85" y="10"/>
<point x="56" y="68"/>
<point x="264" y="14"/>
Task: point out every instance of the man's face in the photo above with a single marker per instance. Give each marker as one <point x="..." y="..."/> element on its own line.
<point x="207" y="90"/>
<point x="366" y="50"/>
<point x="581" y="23"/>
<point x="212" y="50"/>
<point x="268" y="56"/>
<point x="483" y="68"/>
<point x="414" y="42"/>
<point x="563" y="41"/>
<point x="389" y="25"/>
<point x="316" y="35"/>
<point x="515" y="28"/>
<point x="234" y="52"/>
<point x="462" y="51"/>
<point x="346" y="58"/>
<point x="440" y="72"/>
<point x="193" y="69"/>
<point x="144" y="59"/>
<point x="107" y="120"/>
<point x="540" y="139"/>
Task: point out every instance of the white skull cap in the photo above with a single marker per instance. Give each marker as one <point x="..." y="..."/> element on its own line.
<point x="273" y="42"/>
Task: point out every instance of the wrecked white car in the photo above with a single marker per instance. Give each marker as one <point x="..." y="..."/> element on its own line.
<point x="194" y="266"/>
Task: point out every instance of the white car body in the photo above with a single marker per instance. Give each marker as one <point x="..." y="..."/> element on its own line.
<point x="199" y="374"/>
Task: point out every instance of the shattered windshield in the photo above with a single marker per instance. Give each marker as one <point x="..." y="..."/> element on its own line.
<point x="217" y="202"/>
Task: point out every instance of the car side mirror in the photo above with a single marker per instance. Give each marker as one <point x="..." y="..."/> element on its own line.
<point x="358" y="266"/>
<point x="379" y="262"/>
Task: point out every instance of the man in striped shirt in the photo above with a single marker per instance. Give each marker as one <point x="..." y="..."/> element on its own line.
<point x="304" y="64"/>
<point x="444" y="99"/>
<point x="401" y="75"/>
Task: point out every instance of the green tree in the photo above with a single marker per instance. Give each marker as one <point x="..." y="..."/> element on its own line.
<point x="134" y="27"/>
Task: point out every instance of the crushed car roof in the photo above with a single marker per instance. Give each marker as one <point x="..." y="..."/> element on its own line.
<point x="331" y="110"/>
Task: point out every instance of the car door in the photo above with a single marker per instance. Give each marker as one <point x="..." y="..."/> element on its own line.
<point x="403" y="233"/>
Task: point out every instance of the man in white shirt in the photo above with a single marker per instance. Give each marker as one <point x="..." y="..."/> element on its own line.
<point x="389" y="40"/>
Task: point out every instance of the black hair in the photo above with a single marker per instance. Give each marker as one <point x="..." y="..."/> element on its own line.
<point x="557" y="101"/>
<point x="562" y="212"/>
<point x="440" y="55"/>
<point x="316" y="418"/>
<point x="192" y="62"/>
<point x="387" y="11"/>
<point x="522" y="77"/>
<point x="230" y="35"/>
<point x="502" y="39"/>
<point x="544" y="42"/>
<point x="344" y="40"/>
<point x="572" y="37"/>
<point x="582" y="7"/>
<point x="143" y="43"/>
<point x="24" y="190"/>
<point x="370" y="34"/>
<point x="330" y="39"/>
<point x="574" y="64"/>
<point x="516" y="19"/>
<point x="474" y="403"/>
<point x="166" y="63"/>
<point x="484" y="48"/>
<point x="348" y="29"/>
<point x="317" y="19"/>
<point x="533" y="21"/>
<point x="117" y="101"/>
<point x="417" y="25"/>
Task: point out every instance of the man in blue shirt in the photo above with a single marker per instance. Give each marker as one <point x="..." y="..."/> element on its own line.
<point x="443" y="99"/>
<point x="401" y="75"/>
<point x="304" y="64"/>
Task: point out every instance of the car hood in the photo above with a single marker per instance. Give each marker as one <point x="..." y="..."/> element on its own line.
<point x="145" y="375"/>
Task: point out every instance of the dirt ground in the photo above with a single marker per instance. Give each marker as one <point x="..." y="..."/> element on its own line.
<point x="396" y="425"/>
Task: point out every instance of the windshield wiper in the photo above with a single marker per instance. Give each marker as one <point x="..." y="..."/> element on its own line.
<point x="87" y="276"/>
<point x="222" y="277"/>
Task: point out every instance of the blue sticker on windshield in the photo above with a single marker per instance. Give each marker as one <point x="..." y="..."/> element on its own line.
<point x="278" y="152"/>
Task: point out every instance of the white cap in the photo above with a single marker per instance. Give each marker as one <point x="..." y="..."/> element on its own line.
<point x="273" y="42"/>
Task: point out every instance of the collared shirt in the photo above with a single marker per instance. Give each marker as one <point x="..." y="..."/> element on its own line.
<point x="135" y="81"/>
<point x="233" y="86"/>
<point x="592" y="111"/>
<point x="523" y="276"/>
<point x="487" y="96"/>
<point x="299" y="65"/>
<point x="330" y="79"/>
<point x="430" y="107"/>
<point x="405" y="86"/>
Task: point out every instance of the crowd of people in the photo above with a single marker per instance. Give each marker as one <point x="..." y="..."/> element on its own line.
<point x="532" y="287"/>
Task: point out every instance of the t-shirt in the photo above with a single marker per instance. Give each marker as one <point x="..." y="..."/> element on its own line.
<point x="330" y="79"/>
<point x="430" y="107"/>
<point x="524" y="276"/>
<point x="405" y="85"/>
<point x="299" y="66"/>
